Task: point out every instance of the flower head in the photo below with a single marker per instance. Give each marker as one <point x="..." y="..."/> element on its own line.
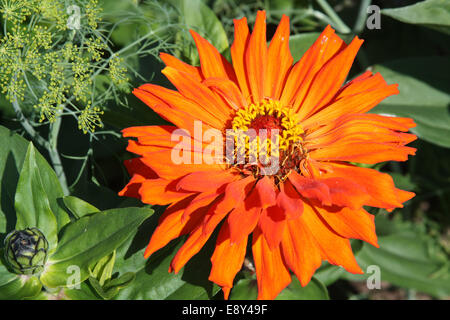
<point x="26" y="251"/>
<point x="307" y="208"/>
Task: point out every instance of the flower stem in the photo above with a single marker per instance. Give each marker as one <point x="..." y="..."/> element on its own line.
<point x="338" y="23"/>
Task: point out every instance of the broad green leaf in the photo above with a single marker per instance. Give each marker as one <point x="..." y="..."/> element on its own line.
<point x="408" y="258"/>
<point x="31" y="202"/>
<point x="84" y="292"/>
<point x="79" y="208"/>
<point x="14" y="149"/>
<point x="21" y="287"/>
<point x="328" y="274"/>
<point x="52" y="189"/>
<point x="247" y="289"/>
<point x="424" y="95"/>
<point x="300" y="43"/>
<point x="87" y="240"/>
<point x="153" y="281"/>
<point x="434" y="14"/>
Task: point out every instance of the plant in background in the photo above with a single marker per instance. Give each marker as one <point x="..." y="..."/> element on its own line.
<point x="37" y="259"/>
<point x="56" y="60"/>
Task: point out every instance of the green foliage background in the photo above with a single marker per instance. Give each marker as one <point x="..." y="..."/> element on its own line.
<point x="88" y="225"/>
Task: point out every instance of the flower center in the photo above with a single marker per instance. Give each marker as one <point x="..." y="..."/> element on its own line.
<point x="268" y="129"/>
<point x="270" y="115"/>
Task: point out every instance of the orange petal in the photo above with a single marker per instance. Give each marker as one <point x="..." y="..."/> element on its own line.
<point x="238" y="48"/>
<point x="173" y="62"/>
<point x="279" y="61"/>
<point x="328" y="80"/>
<point x="144" y="131"/>
<point x="352" y="224"/>
<point x="228" y="90"/>
<point x="198" y="92"/>
<point x="265" y="193"/>
<point x="289" y="200"/>
<point x="271" y="272"/>
<point x="363" y="152"/>
<point x="379" y="186"/>
<point x="206" y="181"/>
<point x="192" y="246"/>
<point x="346" y="193"/>
<point x="173" y="107"/>
<point x="256" y="58"/>
<point x="162" y="163"/>
<point x="311" y="188"/>
<point x="227" y="259"/>
<point x="303" y="72"/>
<point x="333" y="247"/>
<point x="171" y="226"/>
<point x="359" y="102"/>
<point x="300" y="250"/>
<point x="368" y="122"/>
<point x="235" y="193"/>
<point x="139" y="172"/>
<point x="160" y="192"/>
<point x="242" y="222"/>
<point x="213" y="64"/>
<point x="272" y="223"/>
<point x="200" y="201"/>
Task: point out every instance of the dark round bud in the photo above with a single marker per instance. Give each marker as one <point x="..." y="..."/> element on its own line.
<point x="26" y="250"/>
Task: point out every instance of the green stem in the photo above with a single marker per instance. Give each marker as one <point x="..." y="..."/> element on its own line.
<point x="29" y="129"/>
<point x="54" y="155"/>
<point x="338" y="23"/>
<point x="362" y="15"/>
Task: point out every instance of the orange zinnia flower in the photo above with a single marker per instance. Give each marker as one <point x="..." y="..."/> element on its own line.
<point x="306" y="211"/>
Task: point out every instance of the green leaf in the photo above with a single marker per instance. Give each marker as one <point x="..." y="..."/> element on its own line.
<point x="103" y="268"/>
<point x="434" y="14"/>
<point x="84" y="292"/>
<point x="300" y="43"/>
<point x="12" y="156"/>
<point x="247" y="289"/>
<point x="22" y="287"/>
<point x="52" y="189"/>
<point x="31" y="202"/>
<point x="424" y="95"/>
<point x="315" y="290"/>
<point x="79" y="208"/>
<point x="112" y="287"/>
<point x="14" y="148"/>
<point x="153" y="281"/>
<point x="407" y="258"/>
<point x="328" y="274"/>
<point x="87" y="240"/>
<point x="14" y="287"/>
<point x="198" y="16"/>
